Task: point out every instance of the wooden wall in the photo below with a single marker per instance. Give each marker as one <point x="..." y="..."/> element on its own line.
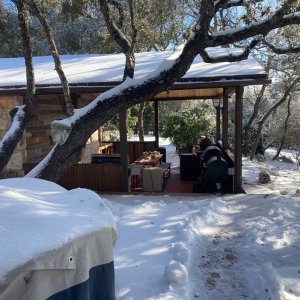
<point x="135" y="148"/>
<point x="38" y="133"/>
<point x="103" y="178"/>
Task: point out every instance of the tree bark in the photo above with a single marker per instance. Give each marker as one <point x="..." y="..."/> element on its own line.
<point x="285" y="128"/>
<point x="141" y="122"/>
<point x="21" y="114"/>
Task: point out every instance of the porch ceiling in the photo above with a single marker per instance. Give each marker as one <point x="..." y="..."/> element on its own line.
<point x="190" y="94"/>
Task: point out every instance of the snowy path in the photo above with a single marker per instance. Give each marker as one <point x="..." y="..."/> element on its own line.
<point x="237" y="247"/>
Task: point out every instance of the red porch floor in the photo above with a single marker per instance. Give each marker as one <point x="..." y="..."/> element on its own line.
<point x="176" y="185"/>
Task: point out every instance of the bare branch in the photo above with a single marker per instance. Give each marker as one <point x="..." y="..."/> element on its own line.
<point x="119" y="7"/>
<point x="231" y="57"/>
<point x="277" y="50"/>
<point x="115" y="32"/>
<point x="132" y="22"/>
<point x="225" y="4"/>
<point x="23" y="17"/>
<point x="260" y="124"/>
<point x="282" y="17"/>
<point x="53" y="49"/>
<point x="207" y="13"/>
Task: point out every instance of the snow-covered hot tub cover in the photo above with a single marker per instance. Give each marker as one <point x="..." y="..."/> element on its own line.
<point x="54" y="243"/>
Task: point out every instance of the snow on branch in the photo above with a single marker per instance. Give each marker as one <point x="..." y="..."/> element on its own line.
<point x="34" y="173"/>
<point x="287" y="14"/>
<point x="231" y="57"/>
<point x="18" y="115"/>
<point x="129" y="86"/>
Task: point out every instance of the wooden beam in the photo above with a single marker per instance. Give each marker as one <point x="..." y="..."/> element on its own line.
<point x="101" y="87"/>
<point x="123" y="148"/>
<point x="156" y="123"/>
<point x="225" y="121"/>
<point x="218" y="124"/>
<point x="238" y="140"/>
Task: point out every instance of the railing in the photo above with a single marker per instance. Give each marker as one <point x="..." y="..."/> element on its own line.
<point x="135" y="148"/>
<point x="99" y="177"/>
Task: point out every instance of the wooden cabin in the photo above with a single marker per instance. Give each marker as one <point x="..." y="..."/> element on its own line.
<point x="91" y="75"/>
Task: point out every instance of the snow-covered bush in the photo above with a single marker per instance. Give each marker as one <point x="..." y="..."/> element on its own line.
<point x="285" y="159"/>
<point x="264" y="177"/>
<point x="259" y="158"/>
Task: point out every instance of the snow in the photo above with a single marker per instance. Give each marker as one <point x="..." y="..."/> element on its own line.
<point x="37" y="216"/>
<point x="244" y="246"/>
<point x="92" y="68"/>
<point x="211" y="247"/>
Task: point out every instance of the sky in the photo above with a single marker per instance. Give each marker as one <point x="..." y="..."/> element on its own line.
<point x="171" y="247"/>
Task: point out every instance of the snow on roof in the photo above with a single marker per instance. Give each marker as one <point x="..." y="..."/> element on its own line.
<point x="93" y="68"/>
<point x="37" y="216"/>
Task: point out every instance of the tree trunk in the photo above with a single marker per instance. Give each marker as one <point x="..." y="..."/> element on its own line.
<point x="252" y="118"/>
<point x="268" y="113"/>
<point x="54" y="52"/>
<point x="141" y="121"/>
<point x="286" y="122"/>
<point x="20" y="114"/>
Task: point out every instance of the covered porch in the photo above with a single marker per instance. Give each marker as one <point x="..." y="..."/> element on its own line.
<point x="220" y="81"/>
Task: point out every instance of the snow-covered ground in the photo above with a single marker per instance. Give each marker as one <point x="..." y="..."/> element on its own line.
<point x="171" y="247"/>
<point x="211" y="247"/>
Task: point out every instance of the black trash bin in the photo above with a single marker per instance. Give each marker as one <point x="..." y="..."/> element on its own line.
<point x="163" y="151"/>
<point x="189" y="166"/>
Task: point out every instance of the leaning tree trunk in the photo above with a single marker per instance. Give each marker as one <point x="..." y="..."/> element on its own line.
<point x="20" y="114"/>
<point x="286" y="122"/>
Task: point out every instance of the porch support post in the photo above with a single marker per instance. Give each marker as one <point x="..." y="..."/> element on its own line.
<point x="123" y="148"/>
<point x="225" y="121"/>
<point x="238" y="139"/>
<point x="218" y="123"/>
<point x="156" y="123"/>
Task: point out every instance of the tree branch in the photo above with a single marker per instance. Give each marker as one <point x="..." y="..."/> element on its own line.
<point x="268" y="113"/>
<point x="20" y="114"/>
<point x="225" y="4"/>
<point x="53" y="49"/>
<point x="231" y="57"/>
<point x="280" y="18"/>
<point x="120" y="9"/>
<point x="115" y="32"/>
<point x="282" y="50"/>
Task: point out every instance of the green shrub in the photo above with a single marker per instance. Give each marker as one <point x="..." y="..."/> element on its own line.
<point x="185" y="127"/>
<point x="264" y="177"/>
